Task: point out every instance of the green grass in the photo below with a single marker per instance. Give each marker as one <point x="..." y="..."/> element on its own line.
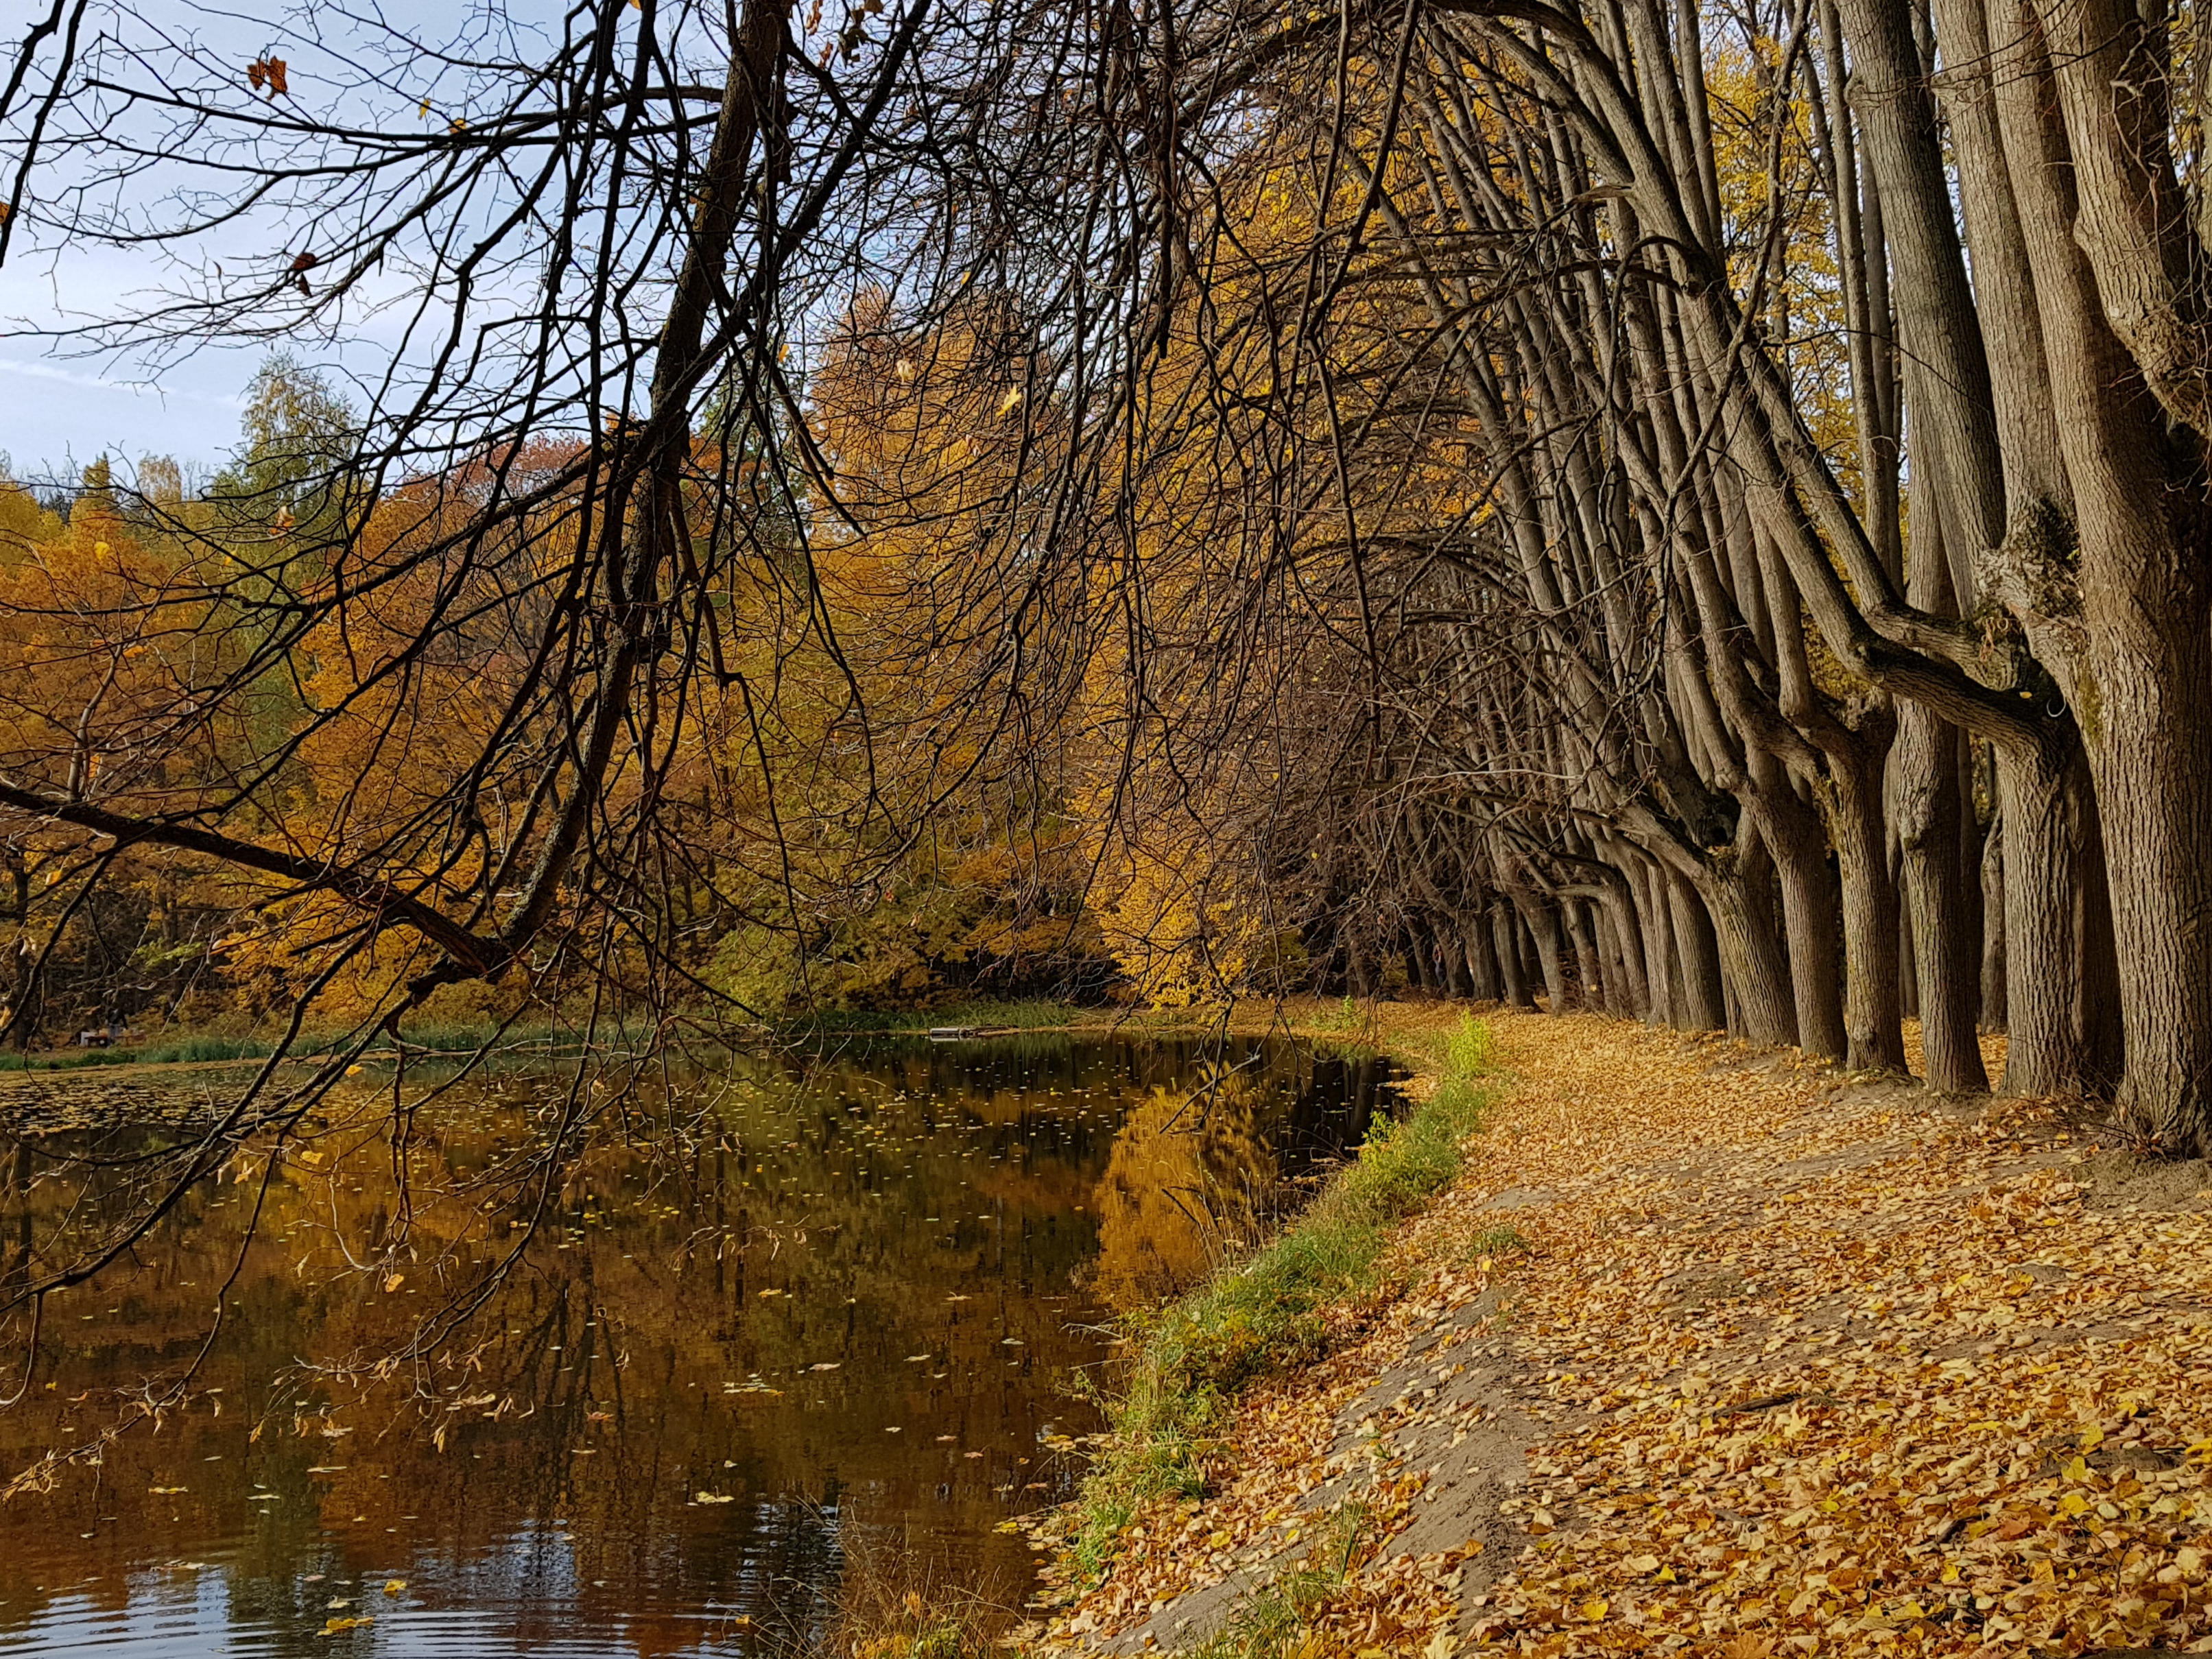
<point x="1268" y="1624"/>
<point x="1193" y="1356"/>
<point x="1347" y="1017"/>
<point x="208" y="1046"/>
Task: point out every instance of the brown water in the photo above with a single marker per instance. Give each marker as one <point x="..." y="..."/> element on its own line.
<point x="833" y="1333"/>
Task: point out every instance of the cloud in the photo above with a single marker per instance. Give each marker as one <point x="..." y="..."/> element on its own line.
<point x="51" y="371"/>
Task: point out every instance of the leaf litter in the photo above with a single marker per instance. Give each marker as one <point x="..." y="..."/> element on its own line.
<point x="1768" y="1359"/>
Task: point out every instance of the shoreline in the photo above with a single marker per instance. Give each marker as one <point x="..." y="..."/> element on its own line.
<point x="1715" y="1351"/>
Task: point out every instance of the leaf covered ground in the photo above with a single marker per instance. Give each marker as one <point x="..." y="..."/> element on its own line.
<point x="1721" y="1354"/>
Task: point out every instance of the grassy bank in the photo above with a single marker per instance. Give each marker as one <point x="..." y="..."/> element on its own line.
<point x="202" y="1048"/>
<point x="1264" y="1312"/>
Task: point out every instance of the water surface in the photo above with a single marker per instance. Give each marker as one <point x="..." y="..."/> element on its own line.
<point x="829" y="1330"/>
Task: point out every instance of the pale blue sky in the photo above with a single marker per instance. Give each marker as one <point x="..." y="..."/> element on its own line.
<point x="59" y="409"/>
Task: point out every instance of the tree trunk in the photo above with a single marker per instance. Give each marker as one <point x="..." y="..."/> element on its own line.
<point x="1543" y="925"/>
<point x="1664" y="974"/>
<point x="1993" y="927"/>
<point x="1751" y="961"/>
<point x="1810" y="914"/>
<point x="2050" y="923"/>
<point x="1508" y="957"/>
<point x="1481" y="960"/>
<point x="1697" y="952"/>
<point x="1590" y="962"/>
<point x="1873" y="1016"/>
<point x="1928" y="836"/>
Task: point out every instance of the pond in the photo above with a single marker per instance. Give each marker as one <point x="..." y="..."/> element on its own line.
<point x="833" y="1332"/>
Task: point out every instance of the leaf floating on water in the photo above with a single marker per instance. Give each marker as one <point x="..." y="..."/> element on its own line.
<point x="334" y="1626"/>
<point x="395" y="1586"/>
<point x="713" y="1497"/>
<point x="394" y="1282"/>
<point x="167" y="1492"/>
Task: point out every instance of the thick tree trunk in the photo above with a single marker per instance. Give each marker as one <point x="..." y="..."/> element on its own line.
<point x="2051" y="924"/>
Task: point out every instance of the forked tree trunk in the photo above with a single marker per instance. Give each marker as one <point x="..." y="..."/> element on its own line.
<point x="1618" y="916"/>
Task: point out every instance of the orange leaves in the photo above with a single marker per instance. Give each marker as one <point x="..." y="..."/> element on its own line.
<point x="267" y="74"/>
<point x="1804" y="1374"/>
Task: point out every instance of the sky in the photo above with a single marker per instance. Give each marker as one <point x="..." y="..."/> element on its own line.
<point x="60" y="409"/>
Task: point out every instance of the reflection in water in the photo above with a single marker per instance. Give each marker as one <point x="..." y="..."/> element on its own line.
<point x="1187" y="1181"/>
<point x="843" y="1320"/>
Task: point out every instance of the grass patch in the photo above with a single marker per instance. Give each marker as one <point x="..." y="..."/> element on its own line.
<point x="1268" y="1624"/>
<point x="537" y="1037"/>
<point x="1264" y="1312"/>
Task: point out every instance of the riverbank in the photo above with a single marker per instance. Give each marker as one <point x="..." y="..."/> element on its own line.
<point x="1714" y="1352"/>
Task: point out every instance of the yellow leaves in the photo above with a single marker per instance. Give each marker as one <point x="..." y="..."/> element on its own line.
<point x="713" y="1498"/>
<point x="339" y="1626"/>
<point x="395" y="1587"/>
<point x="1594" y="1609"/>
<point x="1442" y="1645"/>
<point x="392" y="1282"/>
<point x="167" y="1492"/>
<point x="1645" y="1565"/>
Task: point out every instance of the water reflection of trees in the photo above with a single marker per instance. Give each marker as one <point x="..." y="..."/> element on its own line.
<point x="1189" y="1179"/>
<point x="930" y="1202"/>
<point x="1197" y="1173"/>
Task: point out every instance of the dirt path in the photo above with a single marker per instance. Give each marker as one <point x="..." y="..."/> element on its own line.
<point x="1716" y="1353"/>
